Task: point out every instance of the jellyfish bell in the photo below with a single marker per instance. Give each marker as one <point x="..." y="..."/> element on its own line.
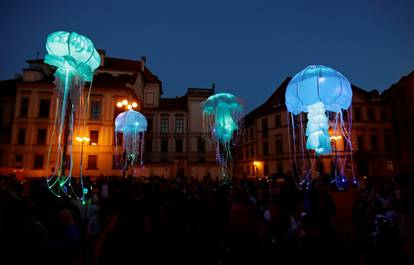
<point x="315" y="90"/>
<point x="224" y="107"/>
<point x="73" y="53"/>
<point x="130" y="122"/>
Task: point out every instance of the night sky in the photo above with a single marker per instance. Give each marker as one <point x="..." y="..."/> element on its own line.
<point x="245" y="47"/>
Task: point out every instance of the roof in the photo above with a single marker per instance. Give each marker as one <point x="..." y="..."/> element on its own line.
<point x="119" y="64"/>
<point x="106" y="80"/>
<point x="203" y="92"/>
<point x="275" y="101"/>
<point x="178" y="103"/>
<point x="111" y="63"/>
<point x="393" y="88"/>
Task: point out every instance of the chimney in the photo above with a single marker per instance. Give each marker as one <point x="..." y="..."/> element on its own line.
<point x="102" y="54"/>
<point x="143" y="62"/>
<point x="213" y="85"/>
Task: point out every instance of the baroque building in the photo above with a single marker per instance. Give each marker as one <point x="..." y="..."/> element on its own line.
<point x="263" y="148"/>
<point x="173" y="142"/>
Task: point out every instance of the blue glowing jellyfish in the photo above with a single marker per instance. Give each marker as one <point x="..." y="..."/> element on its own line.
<point x="221" y="113"/>
<point x="75" y="59"/>
<point x="323" y="94"/>
<point x="132" y="125"/>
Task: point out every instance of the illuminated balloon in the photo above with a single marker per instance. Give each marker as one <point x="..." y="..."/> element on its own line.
<point x="132" y="125"/>
<point x="75" y="59"/>
<point x="220" y="114"/>
<point x="319" y="90"/>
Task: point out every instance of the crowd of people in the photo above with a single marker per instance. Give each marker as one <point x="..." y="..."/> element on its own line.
<point x="189" y="221"/>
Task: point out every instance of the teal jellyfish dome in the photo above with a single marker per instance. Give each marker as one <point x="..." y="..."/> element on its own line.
<point x="130" y="122"/>
<point x="224" y="107"/>
<point x="73" y="52"/>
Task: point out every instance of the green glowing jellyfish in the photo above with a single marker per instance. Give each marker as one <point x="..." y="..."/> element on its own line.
<point x="221" y="113"/>
<point x="75" y="59"/>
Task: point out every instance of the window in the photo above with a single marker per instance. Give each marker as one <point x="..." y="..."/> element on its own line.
<point x="266" y="169"/>
<point x="24" y="107"/>
<point x="18" y="161"/>
<point x="116" y="161"/>
<point x="387" y="142"/>
<point x="279" y="146"/>
<point x="92" y="162"/>
<point x="149" y="124"/>
<point x="390" y="165"/>
<point x="96" y="110"/>
<point x="279" y="167"/>
<point x="179" y="124"/>
<point x="44" y="108"/>
<point x="264" y="128"/>
<point x="374" y="142"/>
<point x="21" y="138"/>
<point x="384" y="114"/>
<point x="19" y="158"/>
<point x="252" y="152"/>
<point x="164" y="145"/>
<point x="278" y="121"/>
<point x="371" y="114"/>
<point x="38" y="161"/>
<point x="118" y="138"/>
<point x="164" y="124"/>
<point x="93" y="137"/>
<point x="178" y="145"/>
<point x="148" y="145"/>
<point x="248" y="170"/>
<point x="265" y="149"/>
<point x="251" y="133"/>
<point x="201" y="147"/>
<point x="41" y="136"/>
<point x="357" y="114"/>
<point x="360" y="142"/>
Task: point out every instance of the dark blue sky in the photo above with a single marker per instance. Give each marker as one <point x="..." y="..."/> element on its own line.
<point x="245" y="47"/>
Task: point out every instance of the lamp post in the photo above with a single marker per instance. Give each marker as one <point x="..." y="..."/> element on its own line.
<point x="256" y="165"/>
<point x="126" y="104"/>
<point x="82" y="140"/>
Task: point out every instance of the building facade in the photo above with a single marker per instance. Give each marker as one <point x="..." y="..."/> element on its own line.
<point x="400" y="97"/>
<point x="263" y="148"/>
<point x="173" y="142"/>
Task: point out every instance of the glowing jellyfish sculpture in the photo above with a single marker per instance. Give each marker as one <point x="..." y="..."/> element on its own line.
<point x="132" y="125"/>
<point x="325" y="95"/>
<point x="221" y="113"/>
<point x="75" y="59"/>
